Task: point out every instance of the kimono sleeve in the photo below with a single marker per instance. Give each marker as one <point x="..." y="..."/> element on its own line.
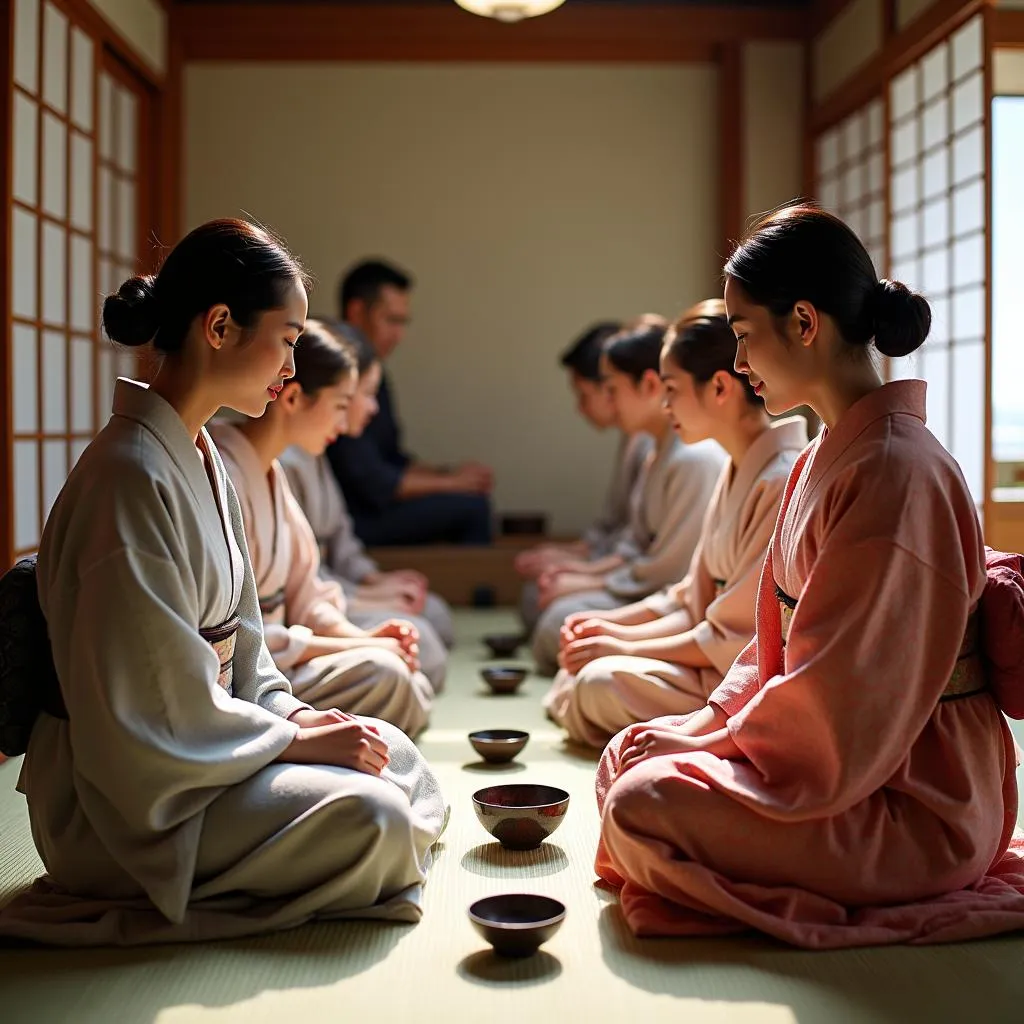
<point x="730" y="619"/>
<point x="671" y="549"/>
<point x="870" y="650"/>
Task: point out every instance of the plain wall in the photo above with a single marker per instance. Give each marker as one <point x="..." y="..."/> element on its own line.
<point x="773" y="99"/>
<point x="143" y="23"/>
<point x="1008" y="72"/>
<point x="849" y="41"/>
<point x="528" y="201"/>
<point x="908" y="10"/>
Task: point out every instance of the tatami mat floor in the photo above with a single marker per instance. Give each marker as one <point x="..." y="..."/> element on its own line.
<point x="439" y="970"/>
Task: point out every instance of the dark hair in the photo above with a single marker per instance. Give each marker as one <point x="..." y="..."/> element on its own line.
<point x="702" y="343"/>
<point x="365" y="353"/>
<point x="365" y="281"/>
<point x="803" y="252"/>
<point x="228" y="261"/>
<point x="634" y="352"/>
<point x="322" y="358"/>
<point x="583" y="356"/>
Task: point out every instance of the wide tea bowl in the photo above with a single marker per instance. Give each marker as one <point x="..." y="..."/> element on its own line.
<point x="498" y="746"/>
<point x="504" y="679"/>
<point x="517" y="924"/>
<point x="520" y="815"/>
<point x="503" y="645"/>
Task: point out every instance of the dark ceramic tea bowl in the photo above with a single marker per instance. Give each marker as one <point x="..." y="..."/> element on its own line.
<point x="517" y="924"/>
<point x="503" y="645"/>
<point x="505" y="679"/>
<point x="520" y="815"/>
<point x="498" y="745"/>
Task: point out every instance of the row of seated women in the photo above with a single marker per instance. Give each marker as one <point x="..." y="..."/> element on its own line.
<point x="801" y="735"/>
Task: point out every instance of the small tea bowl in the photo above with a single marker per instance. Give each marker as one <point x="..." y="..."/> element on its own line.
<point x="520" y="815"/>
<point x="517" y="924"/>
<point x="498" y="745"/>
<point x="505" y="679"/>
<point x="503" y="645"/>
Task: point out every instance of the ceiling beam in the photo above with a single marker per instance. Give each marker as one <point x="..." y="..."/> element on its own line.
<point x="639" y="32"/>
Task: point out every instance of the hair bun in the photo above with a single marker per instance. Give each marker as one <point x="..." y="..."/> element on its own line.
<point x="130" y="315"/>
<point x="902" y="319"/>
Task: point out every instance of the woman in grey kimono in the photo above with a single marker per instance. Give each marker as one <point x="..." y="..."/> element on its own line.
<point x="188" y="795"/>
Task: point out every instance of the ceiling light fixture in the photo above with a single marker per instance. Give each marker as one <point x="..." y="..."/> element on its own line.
<point x="509" y="10"/>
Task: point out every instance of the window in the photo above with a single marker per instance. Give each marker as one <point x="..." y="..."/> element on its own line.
<point x="850" y="174"/>
<point x="65" y="252"/>
<point x="937" y="234"/>
<point x="1007" y="275"/>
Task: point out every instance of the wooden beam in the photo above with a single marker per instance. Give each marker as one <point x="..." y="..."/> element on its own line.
<point x="6" y="343"/>
<point x="731" y="148"/>
<point x="898" y="52"/>
<point x="644" y="32"/>
<point x="1007" y="28"/>
<point x="171" y="142"/>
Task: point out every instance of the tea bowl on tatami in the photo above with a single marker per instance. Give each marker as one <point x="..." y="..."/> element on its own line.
<point x="503" y="645"/>
<point x="520" y="815"/>
<point x="506" y="679"/>
<point x="498" y="746"/>
<point x="517" y="924"/>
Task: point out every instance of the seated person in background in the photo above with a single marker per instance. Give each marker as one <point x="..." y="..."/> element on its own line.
<point x="393" y="499"/>
<point x="188" y="795"/>
<point x="666" y="508"/>
<point x="330" y="661"/>
<point x="851" y="782"/>
<point x="582" y="361"/>
<point x="373" y="596"/>
<point x="666" y="654"/>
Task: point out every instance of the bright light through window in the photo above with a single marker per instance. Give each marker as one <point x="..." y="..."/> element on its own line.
<point x="1007" y="283"/>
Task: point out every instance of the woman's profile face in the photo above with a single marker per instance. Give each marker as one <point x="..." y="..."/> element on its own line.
<point x="364" y="402"/>
<point x="684" y="401"/>
<point x="254" y="364"/>
<point x="593" y="401"/>
<point x="324" y="416"/>
<point x="632" y="400"/>
<point x="762" y="354"/>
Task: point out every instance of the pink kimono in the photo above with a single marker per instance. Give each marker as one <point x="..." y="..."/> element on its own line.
<point x="875" y="798"/>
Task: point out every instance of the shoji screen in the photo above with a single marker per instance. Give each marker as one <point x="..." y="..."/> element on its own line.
<point x="74" y="143"/>
<point x="938" y="234"/>
<point x="850" y="176"/>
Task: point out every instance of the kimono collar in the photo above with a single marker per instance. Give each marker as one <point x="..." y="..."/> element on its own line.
<point x="136" y="401"/>
<point x="898" y="397"/>
<point x="789" y="434"/>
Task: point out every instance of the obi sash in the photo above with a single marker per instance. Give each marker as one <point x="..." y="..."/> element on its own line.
<point x="968" y="676"/>
<point x="272" y="602"/>
<point x="222" y="639"/>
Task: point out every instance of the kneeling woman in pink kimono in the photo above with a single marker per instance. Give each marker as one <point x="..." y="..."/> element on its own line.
<point x="851" y="781"/>
<point x="329" y="660"/>
<point x="666" y="654"/>
<point x="187" y="794"/>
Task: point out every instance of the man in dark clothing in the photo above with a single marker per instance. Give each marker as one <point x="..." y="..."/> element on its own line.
<point x="393" y="498"/>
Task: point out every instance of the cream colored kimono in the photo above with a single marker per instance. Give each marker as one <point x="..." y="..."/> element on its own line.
<point x="158" y="807"/>
<point x="343" y="556"/>
<point x="718" y="596"/>
<point x="298" y="604"/>
<point x="612" y="526"/>
<point x="667" y="510"/>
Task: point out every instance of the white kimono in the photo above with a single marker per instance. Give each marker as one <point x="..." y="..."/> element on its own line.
<point x="604" y="535"/>
<point x="718" y="596"/>
<point x="343" y="557"/>
<point x="298" y="604"/>
<point x="667" y="508"/>
<point x="158" y="807"/>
